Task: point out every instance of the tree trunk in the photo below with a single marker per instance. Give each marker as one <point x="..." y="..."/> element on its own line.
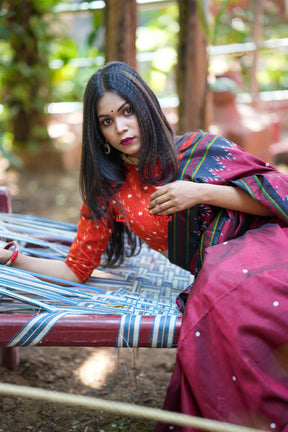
<point x="121" y="25"/>
<point x="27" y="83"/>
<point x="192" y="69"/>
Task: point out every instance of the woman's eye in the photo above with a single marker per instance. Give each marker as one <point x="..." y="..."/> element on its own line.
<point x="106" y="122"/>
<point x="128" y="110"/>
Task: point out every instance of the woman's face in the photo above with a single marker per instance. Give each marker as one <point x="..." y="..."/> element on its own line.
<point x="119" y="124"/>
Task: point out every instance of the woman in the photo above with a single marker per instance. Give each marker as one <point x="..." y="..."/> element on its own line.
<point x="213" y="209"/>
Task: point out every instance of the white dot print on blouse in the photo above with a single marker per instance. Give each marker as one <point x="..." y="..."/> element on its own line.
<point x="197" y="333"/>
<point x="245" y="271"/>
<point x="234" y="378"/>
<point x="272" y="425"/>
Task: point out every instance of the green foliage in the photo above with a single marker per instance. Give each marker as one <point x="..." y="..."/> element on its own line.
<point x="218" y="24"/>
<point x="273" y="75"/>
<point x="24" y="73"/>
<point x="73" y="63"/>
<point x="39" y="58"/>
<point x="6" y="140"/>
<point x="38" y="65"/>
<point x="63" y="75"/>
<point x="157" y="33"/>
<point x="232" y="22"/>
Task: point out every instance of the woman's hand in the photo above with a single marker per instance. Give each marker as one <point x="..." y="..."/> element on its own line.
<point x="5" y="255"/>
<point x="181" y="195"/>
<point x="174" y="197"/>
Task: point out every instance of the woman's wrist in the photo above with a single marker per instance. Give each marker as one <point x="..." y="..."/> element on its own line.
<point x="206" y="193"/>
<point x="13" y="253"/>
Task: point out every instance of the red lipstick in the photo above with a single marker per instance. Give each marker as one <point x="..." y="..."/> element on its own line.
<point x="127" y="141"/>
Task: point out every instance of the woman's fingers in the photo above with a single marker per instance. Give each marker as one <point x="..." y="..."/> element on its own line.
<point x="173" y="197"/>
<point x="158" y="198"/>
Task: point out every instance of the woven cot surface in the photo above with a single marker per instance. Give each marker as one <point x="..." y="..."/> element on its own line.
<point x="144" y="285"/>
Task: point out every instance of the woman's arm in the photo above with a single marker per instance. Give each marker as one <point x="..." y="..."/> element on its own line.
<point x="48" y="267"/>
<point x="83" y="257"/>
<point x="180" y="195"/>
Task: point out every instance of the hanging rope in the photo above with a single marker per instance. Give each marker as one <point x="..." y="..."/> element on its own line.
<point x="121" y="408"/>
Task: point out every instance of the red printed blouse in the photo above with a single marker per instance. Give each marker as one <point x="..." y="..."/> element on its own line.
<point x="92" y="239"/>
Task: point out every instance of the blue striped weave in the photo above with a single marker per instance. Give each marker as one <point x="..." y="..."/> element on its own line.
<point x="146" y="284"/>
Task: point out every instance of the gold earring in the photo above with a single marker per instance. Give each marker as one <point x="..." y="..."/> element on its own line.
<point x="107" y="148"/>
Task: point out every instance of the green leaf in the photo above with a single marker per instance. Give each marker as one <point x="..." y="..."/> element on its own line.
<point x="223" y="8"/>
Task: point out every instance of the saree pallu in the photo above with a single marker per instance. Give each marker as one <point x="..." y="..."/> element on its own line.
<point x="232" y="355"/>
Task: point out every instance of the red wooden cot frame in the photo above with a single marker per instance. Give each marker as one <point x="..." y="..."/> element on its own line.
<point x="80" y="330"/>
<point x="72" y="330"/>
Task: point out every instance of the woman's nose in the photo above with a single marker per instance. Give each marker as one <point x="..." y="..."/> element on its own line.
<point x="121" y="125"/>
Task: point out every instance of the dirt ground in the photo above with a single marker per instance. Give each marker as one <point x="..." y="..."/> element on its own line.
<point x="135" y="376"/>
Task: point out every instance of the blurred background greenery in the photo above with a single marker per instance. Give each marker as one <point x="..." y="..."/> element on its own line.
<point x="49" y="49"/>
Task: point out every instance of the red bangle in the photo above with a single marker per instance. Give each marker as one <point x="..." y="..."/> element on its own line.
<point x="15" y="252"/>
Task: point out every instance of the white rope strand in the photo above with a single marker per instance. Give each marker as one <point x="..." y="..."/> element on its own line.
<point x="121" y="408"/>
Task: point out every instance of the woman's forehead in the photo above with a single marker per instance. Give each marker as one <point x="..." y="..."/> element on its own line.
<point x="110" y="101"/>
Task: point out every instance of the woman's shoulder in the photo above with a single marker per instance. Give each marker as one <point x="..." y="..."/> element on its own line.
<point x="185" y="141"/>
<point x="201" y="140"/>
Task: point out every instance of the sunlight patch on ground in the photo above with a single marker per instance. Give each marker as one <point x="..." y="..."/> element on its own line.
<point x="95" y="370"/>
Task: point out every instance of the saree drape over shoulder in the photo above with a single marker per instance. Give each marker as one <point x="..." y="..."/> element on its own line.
<point x="232" y="356"/>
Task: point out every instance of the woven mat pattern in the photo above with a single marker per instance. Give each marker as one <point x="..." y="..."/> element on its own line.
<point x="146" y="284"/>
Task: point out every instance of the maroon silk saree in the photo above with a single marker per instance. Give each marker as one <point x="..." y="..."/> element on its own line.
<point x="232" y="355"/>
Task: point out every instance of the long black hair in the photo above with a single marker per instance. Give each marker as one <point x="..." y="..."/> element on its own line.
<point x="102" y="174"/>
